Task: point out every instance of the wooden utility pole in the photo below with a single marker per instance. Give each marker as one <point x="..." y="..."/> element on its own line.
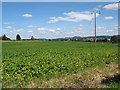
<point x="95" y="25"/>
<point x="95" y="29"/>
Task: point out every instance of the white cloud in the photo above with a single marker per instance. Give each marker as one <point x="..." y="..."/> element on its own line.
<point x="116" y="27"/>
<point x="42" y="29"/>
<point x="17" y="30"/>
<point x="82" y="25"/>
<point x="113" y="6"/>
<point x="8" y="27"/>
<point x="76" y="16"/>
<point x="51" y="30"/>
<point x="58" y="29"/>
<point x="30" y="31"/>
<point x="52" y="17"/>
<point x="99" y="6"/>
<point x="109" y="30"/>
<point x="86" y="12"/>
<point x="74" y="33"/>
<point x="43" y="32"/>
<point x="73" y="16"/>
<point x="53" y="21"/>
<point x="83" y="32"/>
<point x="27" y="15"/>
<point x="110" y="17"/>
<point x="97" y="9"/>
<point x="70" y="33"/>
<point x="101" y="28"/>
<point x="8" y="23"/>
<point x="80" y="28"/>
<point x="31" y="26"/>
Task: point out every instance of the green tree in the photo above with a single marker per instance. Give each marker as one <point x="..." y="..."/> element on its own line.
<point x="115" y="39"/>
<point x="32" y="38"/>
<point x="99" y="40"/>
<point x="4" y="37"/>
<point x="105" y="40"/>
<point x="18" y="37"/>
<point x="49" y="40"/>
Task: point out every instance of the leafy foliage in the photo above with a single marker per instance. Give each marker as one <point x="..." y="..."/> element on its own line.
<point x="27" y="61"/>
<point x="18" y="37"/>
<point x="32" y="38"/>
<point x="4" y="37"/>
<point x="115" y="39"/>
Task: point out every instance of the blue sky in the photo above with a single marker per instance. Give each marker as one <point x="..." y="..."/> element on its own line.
<point x="60" y="0"/>
<point x="58" y="19"/>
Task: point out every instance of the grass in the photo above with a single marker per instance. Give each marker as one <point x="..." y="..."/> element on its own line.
<point x="113" y="85"/>
<point x="92" y="80"/>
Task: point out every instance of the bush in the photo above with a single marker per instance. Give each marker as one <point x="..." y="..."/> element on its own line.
<point x="115" y="39"/>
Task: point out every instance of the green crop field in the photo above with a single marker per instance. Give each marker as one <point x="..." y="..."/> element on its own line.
<point x="44" y="60"/>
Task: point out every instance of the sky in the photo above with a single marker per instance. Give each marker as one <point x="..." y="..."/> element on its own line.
<point x="58" y="19"/>
<point x="60" y="0"/>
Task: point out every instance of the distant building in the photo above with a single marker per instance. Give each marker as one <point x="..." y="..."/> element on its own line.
<point x="109" y="39"/>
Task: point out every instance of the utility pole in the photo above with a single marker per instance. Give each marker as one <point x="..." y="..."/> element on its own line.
<point x="95" y="26"/>
<point x="95" y="29"/>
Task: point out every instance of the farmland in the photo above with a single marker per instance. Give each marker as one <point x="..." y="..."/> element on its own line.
<point x="44" y="60"/>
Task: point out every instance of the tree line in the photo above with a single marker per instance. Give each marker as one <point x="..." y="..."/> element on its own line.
<point x="18" y="37"/>
<point x="113" y="39"/>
